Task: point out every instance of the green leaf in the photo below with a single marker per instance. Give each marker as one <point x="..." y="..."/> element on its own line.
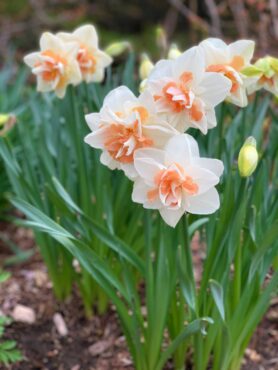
<point x="194" y="327"/>
<point x="270" y="237"/>
<point x="218" y="297"/>
<point x="197" y="225"/>
<point x="4" y="275"/>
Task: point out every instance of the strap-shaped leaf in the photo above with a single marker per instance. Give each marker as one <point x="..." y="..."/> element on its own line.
<point x="218" y="297"/>
<point x="194" y="327"/>
<point x="44" y="223"/>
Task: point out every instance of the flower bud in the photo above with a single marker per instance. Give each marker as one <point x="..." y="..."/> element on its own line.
<point x="248" y="157"/>
<point x="143" y="85"/>
<point x="145" y="67"/>
<point x="174" y="52"/>
<point x="3" y="119"/>
<point x="161" y="38"/>
<point x="7" y="122"/>
<point x="117" y="48"/>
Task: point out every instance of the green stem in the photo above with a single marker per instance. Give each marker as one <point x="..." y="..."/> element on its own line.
<point x="238" y="253"/>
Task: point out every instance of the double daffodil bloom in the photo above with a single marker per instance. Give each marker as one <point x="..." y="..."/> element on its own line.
<point x="264" y="74"/>
<point x="91" y="60"/>
<point x="124" y="124"/>
<point x="176" y="180"/>
<point x="55" y="65"/>
<point x="185" y="93"/>
<point x="230" y="60"/>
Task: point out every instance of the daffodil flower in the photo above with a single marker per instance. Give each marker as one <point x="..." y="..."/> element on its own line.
<point x="230" y="60"/>
<point x="92" y="61"/>
<point x="264" y="74"/>
<point x="124" y="124"/>
<point x="185" y="93"/>
<point x="55" y="65"/>
<point x="176" y="180"/>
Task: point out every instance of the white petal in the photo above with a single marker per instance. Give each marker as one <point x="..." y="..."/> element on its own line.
<point x="214" y="88"/>
<point x="139" y="193"/>
<point x="108" y="161"/>
<point x="239" y="98"/>
<point x="96" y="138"/>
<point x="93" y="120"/>
<point x="161" y="69"/>
<point x="181" y="149"/>
<point x="243" y="48"/>
<point x="117" y="97"/>
<point x="31" y="59"/>
<point x="87" y="34"/>
<point x="160" y="133"/>
<point x="65" y="36"/>
<point x="60" y="92"/>
<point x="204" y="178"/>
<point x="171" y="217"/>
<point x="73" y="72"/>
<point x="217" y="43"/>
<point x="214" y="165"/>
<point x="215" y="51"/>
<point x="203" y="204"/>
<point x="43" y="86"/>
<point x="148" y="162"/>
<point x="48" y="41"/>
<point x="211" y="118"/>
<point x="96" y="76"/>
<point x="146" y="100"/>
<point x="192" y="61"/>
<point x="129" y="170"/>
<point x="103" y="59"/>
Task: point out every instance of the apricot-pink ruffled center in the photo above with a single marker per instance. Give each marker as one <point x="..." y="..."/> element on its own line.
<point x="180" y="97"/>
<point x="171" y="183"/>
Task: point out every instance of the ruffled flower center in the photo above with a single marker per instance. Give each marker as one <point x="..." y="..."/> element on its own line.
<point x="230" y="70"/>
<point x="180" y="97"/>
<point x="86" y="60"/>
<point x="171" y="184"/>
<point x="122" y="140"/>
<point x="51" y="68"/>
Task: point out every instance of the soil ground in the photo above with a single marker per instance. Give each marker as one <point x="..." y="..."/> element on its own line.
<point x="95" y="344"/>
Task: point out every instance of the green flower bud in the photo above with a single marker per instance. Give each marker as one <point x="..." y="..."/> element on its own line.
<point x="3" y="119"/>
<point x="145" y="67"/>
<point x="161" y="38"/>
<point x="174" y="52"/>
<point x="248" y="157"/>
<point x="117" y="48"/>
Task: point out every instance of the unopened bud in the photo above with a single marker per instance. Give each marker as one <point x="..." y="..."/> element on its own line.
<point x="143" y="85"/>
<point x="174" y="52"/>
<point x="161" y="38"/>
<point x="117" y="48"/>
<point x="7" y="122"/>
<point x="248" y="157"/>
<point x="145" y="67"/>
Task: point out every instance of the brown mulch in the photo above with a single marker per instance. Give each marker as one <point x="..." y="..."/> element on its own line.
<point x="91" y="344"/>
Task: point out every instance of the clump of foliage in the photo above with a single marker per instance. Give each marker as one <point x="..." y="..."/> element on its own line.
<point x="8" y="348"/>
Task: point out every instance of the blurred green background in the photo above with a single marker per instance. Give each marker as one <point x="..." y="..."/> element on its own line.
<point x="184" y="21"/>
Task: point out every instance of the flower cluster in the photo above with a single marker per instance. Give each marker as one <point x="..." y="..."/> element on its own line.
<point x="145" y="136"/>
<point x="68" y="58"/>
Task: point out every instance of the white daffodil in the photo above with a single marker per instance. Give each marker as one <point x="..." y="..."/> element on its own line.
<point x="185" y="93"/>
<point x="54" y="65"/>
<point x="124" y="124"/>
<point x="176" y="180"/>
<point x="92" y="61"/>
<point x="230" y="60"/>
